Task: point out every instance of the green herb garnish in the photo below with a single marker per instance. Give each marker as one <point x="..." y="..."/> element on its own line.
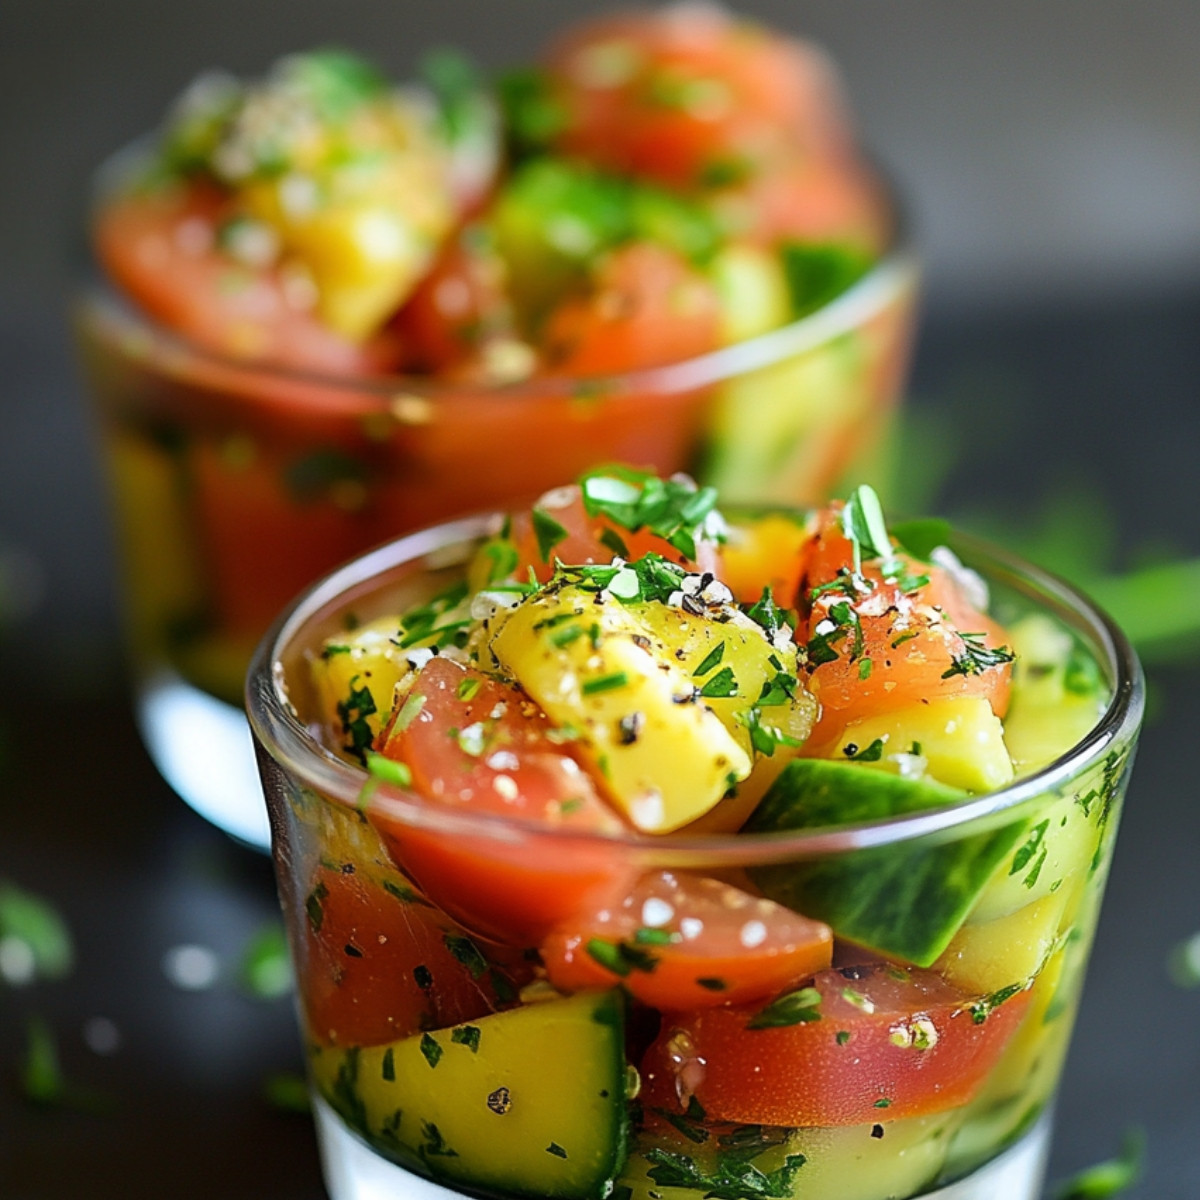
<point x="548" y="533"/>
<point x="1109" y="1178"/>
<point x="794" y="1008"/>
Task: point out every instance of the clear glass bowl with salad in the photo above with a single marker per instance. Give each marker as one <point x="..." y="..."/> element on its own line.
<point x="330" y="309"/>
<point x="633" y="847"/>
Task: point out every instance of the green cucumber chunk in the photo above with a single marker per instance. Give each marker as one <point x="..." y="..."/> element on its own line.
<point x="528" y="1102"/>
<point x="906" y="900"/>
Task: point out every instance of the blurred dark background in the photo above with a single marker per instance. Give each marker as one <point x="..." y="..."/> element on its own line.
<point x="1050" y="155"/>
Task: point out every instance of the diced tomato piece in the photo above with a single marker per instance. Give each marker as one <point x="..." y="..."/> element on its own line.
<point x="646" y="307"/>
<point x="589" y="539"/>
<point x="685" y="93"/>
<point x="820" y="201"/>
<point x="261" y="542"/>
<point x="376" y="965"/>
<point x="160" y="248"/>
<point x="865" y="1043"/>
<point x="911" y="634"/>
<point x="680" y="941"/>
<point x="482" y="747"/>
<point x="459" y="307"/>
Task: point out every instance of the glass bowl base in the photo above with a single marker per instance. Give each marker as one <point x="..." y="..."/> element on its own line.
<point x="202" y="747"/>
<point x="353" y="1171"/>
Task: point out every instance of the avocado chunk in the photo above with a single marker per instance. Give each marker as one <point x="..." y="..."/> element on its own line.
<point x="905" y="900"/>
<point x="528" y="1102"/>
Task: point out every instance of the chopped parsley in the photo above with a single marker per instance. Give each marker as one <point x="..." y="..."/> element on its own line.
<point x="711" y="660"/>
<point x="265" y="970"/>
<point x="466" y="1035"/>
<point x="984" y="1007"/>
<point x="766" y="614"/>
<point x="353" y="712"/>
<point x="466" y="952"/>
<point x="793" y="1008"/>
<point x="387" y="770"/>
<point x="434" y="1144"/>
<point x="733" y="1176"/>
<point x="604" y="683"/>
<point x="865" y="528"/>
<point x="721" y="686"/>
<point x="1111" y="1177"/>
<point x="871" y="753"/>
<point x="763" y="737"/>
<point x="620" y="958"/>
<point x="976" y="657"/>
<point x="431" y="1050"/>
<point x="675" y="509"/>
<point x="548" y="533"/>
<point x="30" y="920"/>
<point x="314" y="908"/>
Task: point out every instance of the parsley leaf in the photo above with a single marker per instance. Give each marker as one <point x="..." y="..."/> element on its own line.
<point x="793" y="1008"/>
<point x="976" y="657"/>
<point x="548" y="533"/>
<point x="1111" y="1177"/>
<point x="721" y="685"/>
<point x="675" y="509"/>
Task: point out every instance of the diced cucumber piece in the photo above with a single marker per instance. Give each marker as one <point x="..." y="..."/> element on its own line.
<point x="984" y="957"/>
<point x="529" y="1102"/>
<point x="960" y="739"/>
<point x="550" y="220"/>
<point x="769" y="427"/>
<point x="1060" y="846"/>
<point x="1058" y="694"/>
<point x="906" y="900"/>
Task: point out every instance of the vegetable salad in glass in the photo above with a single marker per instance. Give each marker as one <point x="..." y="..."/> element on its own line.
<point x="634" y="847"/>
<point x="336" y="309"/>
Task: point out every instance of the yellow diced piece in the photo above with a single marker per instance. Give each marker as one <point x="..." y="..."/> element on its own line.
<point x="529" y="1101"/>
<point x="961" y="741"/>
<point x="752" y="291"/>
<point x="995" y="954"/>
<point x="753" y="665"/>
<point x="368" y="660"/>
<point x="764" y="552"/>
<point x="662" y="756"/>
<point x="364" y="259"/>
<point x="1045" y="717"/>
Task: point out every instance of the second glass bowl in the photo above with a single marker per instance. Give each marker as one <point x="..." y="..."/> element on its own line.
<point x="235" y="485"/>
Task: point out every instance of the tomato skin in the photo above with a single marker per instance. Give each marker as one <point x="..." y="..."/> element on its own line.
<point x="359" y="961"/>
<point x="262" y="545"/>
<point x="159" y="247"/>
<point x="740" y="946"/>
<point x="676" y="94"/>
<point x="646" y="307"/>
<point x="584" y="542"/>
<point x="512" y="890"/>
<point x="911" y="638"/>
<point x="800" y="1075"/>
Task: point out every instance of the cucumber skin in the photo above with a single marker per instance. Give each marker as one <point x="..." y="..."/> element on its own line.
<point x="906" y="900"/>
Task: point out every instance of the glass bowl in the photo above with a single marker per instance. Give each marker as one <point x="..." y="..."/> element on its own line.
<point x="440" y="1062"/>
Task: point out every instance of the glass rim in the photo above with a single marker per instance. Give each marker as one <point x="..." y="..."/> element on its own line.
<point x="896" y="269"/>
<point x="294" y="747"/>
